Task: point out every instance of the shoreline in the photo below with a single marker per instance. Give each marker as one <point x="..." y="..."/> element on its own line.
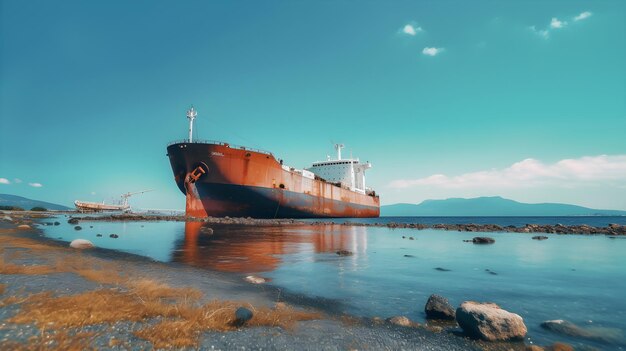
<point x="583" y="229"/>
<point x="333" y="330"/>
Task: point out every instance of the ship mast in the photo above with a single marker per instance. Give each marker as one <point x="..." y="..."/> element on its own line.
<point x="191" y="115"/>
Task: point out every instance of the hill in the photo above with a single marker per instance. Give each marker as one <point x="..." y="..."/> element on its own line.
<point x="27" y="204"/>
<point x="491" y="206"/>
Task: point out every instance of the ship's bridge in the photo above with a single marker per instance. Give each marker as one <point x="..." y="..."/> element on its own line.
<point x="349" y="172"/>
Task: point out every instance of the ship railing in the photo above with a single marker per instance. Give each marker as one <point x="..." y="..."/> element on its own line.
<point x="221" y="143"/>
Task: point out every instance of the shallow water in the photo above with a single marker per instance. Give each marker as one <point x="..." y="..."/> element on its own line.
<point x="573" y="277"/>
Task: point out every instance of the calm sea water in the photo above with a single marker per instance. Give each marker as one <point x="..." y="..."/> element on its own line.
<point x="573" y="277"/>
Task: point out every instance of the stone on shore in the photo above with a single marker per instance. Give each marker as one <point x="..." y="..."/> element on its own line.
<point x="438" y="307"/>
<point x="242" y="315"/>
<point x="483" y="240"/>
<point x="72" y="221"/>
<point x="401" y="321"/>
<point x="206" y="230"/>
<point x="489" y="322"/>
<point x="81" y="244"/>
<point x="78" y="227"/>
<point x="255" y="279"/>
<point x="7" y="218"/>
<point x="23" y="226"/>
<point x="114" y="236"/>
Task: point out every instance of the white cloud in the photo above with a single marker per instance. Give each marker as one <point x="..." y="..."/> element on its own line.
<point x="556" y="23"/>
<point x="432" y="51"/>
<point x="588" y="170"/>
<point x="411" y="29"/>
<point x="583" y="16"/>
<point x="4" y="181"/>
<point x="35" y="185"/>
<point x="17" y="180"/>
<point x="543" y="33"/>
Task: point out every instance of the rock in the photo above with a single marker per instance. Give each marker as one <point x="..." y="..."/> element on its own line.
<point x="78" y="227"/>
<point x="400" y="320"/>
<point x="23" y="226"/>
<point x="540" y="237"/>
<point x="534" y="348"/>
<point x="411" y="238"/>
<point x="344" y="253"/>
<point x="607" y="335"/>
<point x="207" y="230"/>
<point x="483" y="240"/>
<point x="7" y="218"/>
<point x="81" y="244"/>
<point x="72" y="221"/>
<point x="468" y="241"/>
<point x="559" y="346"/>
<point x="409" y="256"/>
<point x="57" y="223"/>
<point x="438" y="307"/>
<point x="242" y="315"/>
<point x="489" y="322"/>
<point x="490" y="271"/>
<point x="90" y="226"/>
<point x="256" y="279"/>
<point x="442" y="269"/>
<point x="434" y="328"/>
<point x="114" y="236"/>
<point x="98" y="235"/>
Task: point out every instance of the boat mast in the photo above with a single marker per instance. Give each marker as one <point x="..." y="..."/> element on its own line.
<point x="191" y="115"/>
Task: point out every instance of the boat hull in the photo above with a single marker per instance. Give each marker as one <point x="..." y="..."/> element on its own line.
<point x="240" y="182"/>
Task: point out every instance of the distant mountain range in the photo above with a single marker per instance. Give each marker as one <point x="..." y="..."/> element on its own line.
<point x="490" y="206"/>
<point x="27" y="204"/>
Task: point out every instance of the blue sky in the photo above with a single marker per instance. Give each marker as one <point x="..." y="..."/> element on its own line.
<point x="525" y="100"/>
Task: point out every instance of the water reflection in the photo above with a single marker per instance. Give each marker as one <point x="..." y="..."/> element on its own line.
<point x="259" y="249"/>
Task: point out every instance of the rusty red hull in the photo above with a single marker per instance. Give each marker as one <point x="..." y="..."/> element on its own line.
<point x="219" y="180"/>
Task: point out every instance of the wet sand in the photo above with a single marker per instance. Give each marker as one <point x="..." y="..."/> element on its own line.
<point x="32" y="265"/>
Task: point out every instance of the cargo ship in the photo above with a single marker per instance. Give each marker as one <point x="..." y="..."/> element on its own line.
<point x="219" y="179"/>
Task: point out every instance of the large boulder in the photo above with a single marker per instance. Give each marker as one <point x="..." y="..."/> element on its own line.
<point x="489" y="322"/>
<point x="438" y="307"/>
<point x="23" y="226"/>
<point x="81" y="244"/>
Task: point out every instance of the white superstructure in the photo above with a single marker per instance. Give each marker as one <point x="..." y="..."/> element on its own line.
<point x="350" y="173"/>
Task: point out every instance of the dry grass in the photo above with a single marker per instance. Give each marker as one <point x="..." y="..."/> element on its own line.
<point x="9" y="268"/>
<point x="218" y="316"/>
<point x="131" y="298"/>
<point x="183" y="318"/>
